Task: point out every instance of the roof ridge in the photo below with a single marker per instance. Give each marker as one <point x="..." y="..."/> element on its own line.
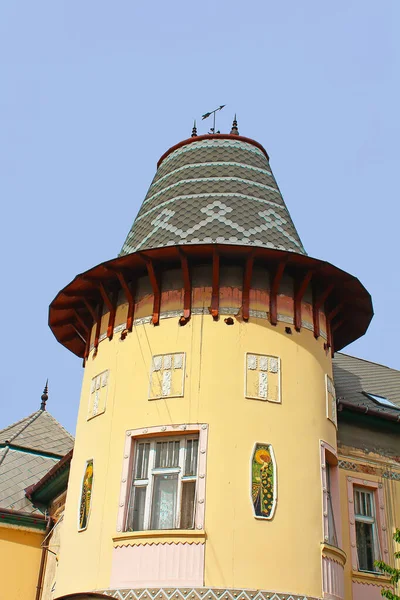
<point x="30" y="419"/>
<point x="371" y="362"/>
<point x="17" y="422"/>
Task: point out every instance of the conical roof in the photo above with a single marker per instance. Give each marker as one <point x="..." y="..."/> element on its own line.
<point x="214" y="189"/>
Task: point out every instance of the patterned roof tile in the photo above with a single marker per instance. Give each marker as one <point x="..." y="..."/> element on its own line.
<point x="213" y="189"/>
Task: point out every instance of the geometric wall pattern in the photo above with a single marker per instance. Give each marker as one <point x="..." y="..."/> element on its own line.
<point x="199" y="594"/>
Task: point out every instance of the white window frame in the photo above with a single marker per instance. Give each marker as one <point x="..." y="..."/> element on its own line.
<point x="170" y="431"/>
<point x="370" y="521"/>
<point x="376" y="490"/>
<point x="153" y="471"/>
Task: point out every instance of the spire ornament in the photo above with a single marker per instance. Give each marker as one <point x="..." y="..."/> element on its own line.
<point x="194" y="130"/>
<point x="234" y="130"/>
<point x="45" y="396"/>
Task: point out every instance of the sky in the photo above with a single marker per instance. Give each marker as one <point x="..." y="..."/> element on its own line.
<point x="93" y="93"/>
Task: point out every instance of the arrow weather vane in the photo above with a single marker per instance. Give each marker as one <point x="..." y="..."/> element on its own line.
<point x="208" y="114"/>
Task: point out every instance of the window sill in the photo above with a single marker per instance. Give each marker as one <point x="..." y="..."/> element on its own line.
<point x="370" y="578"/>
<point x="334" y="553"/>
<point x="160" y="536"/>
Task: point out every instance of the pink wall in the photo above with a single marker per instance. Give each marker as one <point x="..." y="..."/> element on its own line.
<point x="363" y="591"/>
<point x="332" y="579"/>
<point x="149" y="565"/>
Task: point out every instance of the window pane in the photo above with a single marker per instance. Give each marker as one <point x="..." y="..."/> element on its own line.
<point x="135" y="520"/>
<point x="192" y="450"/>
<point x="164" y="501"/>
<point x="365" y="546"/>
<point x="167" y="454"/>
<point x="142" y="461"/>
<point x="187" y="510"/>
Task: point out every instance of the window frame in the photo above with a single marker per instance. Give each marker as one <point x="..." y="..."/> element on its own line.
<point x="153" y="471"/>
<point x="379" y="527"/>
<point x="330" y="494"/>
<point x="154" y="433"/>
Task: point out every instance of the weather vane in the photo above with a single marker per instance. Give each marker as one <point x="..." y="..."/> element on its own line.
<point x="208" y="114"/>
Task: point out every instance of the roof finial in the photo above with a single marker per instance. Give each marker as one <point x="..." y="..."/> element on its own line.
<point x="194" y="130"/>
<point x="45" y="396"/>
<point x="234" y="130"/>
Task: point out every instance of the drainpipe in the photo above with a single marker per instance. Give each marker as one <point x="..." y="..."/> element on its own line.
<point x="39" y="586"/>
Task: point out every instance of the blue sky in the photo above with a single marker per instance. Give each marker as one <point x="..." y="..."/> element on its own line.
<point x="93" y="92"/>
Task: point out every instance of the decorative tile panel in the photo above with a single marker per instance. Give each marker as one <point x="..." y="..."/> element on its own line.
<point x="263" y="481"/>
<point x="263" y="377"/>
<point x="331" y="408"/>
<point x="98" y="394"/>
<point x="167" y="376"/>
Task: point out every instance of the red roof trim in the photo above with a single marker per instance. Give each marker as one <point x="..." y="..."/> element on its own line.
<point x="216" y="136"/>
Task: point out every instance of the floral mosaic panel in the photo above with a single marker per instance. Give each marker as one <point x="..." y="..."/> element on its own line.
<point x="263" y="481"/>
<point x="98" y="395"/>
<point x="86" y="496"/>
<point x="263" y="377"/>
<point x="167" y="375"/>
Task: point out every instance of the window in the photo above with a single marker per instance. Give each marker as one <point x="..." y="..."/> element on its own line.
<point x="332" y="535"/>
<point x="366" y="534"/>
<point x="164" y="482"/>
<point x="331" y="499"/>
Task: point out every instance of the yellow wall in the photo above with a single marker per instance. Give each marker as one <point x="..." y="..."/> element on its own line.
<point x="241" y="551"/>
<point x="20" y="554"/>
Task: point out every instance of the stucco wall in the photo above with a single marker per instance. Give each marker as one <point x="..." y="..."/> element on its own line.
<point x="20" y="555"/>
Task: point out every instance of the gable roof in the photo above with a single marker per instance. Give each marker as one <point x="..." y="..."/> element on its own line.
<point x="355" y="377"/>
<point x="39" y="431"/>
<point x="28" y="450"/>
<point x="19" y="470"/>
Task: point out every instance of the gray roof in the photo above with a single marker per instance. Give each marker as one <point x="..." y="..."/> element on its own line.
<point x="353" y="376"/>
<point x="211" y="190"/>
<point x="39" y="431"/>
<point x="25" y="456"/>
<point x="18" y="470"/>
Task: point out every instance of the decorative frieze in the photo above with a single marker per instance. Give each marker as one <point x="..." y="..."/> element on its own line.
<point x="262" y="377"/>
<point x="369" y="470"/>
<point x="188" y="593"/>
<point x="167" y="376"/>
<point x="98" y="394"/>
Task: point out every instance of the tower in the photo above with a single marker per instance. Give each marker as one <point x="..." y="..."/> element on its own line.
<point x="205" y="456"/>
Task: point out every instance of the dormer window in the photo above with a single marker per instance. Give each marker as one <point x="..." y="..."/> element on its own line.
<point x="381" y="400"/>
